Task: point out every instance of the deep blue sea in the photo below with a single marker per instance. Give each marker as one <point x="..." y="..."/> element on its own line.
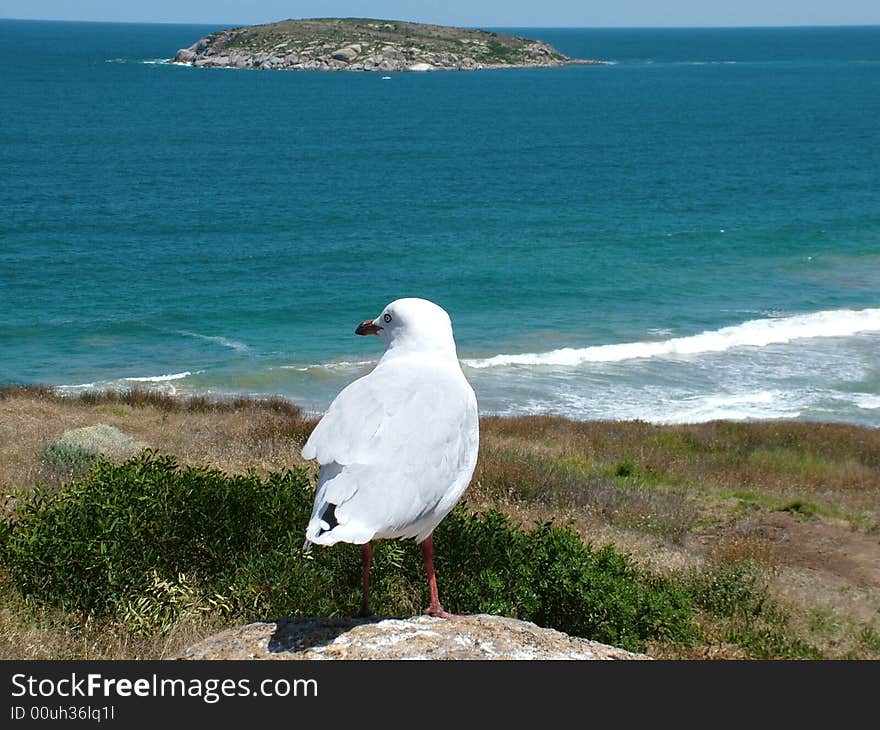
<point x="688" y="233"/>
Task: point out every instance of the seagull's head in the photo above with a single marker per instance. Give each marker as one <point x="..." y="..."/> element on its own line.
<point x="413" y="324"/>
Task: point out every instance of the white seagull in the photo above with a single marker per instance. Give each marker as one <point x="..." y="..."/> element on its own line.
<point x="397" y="447"/>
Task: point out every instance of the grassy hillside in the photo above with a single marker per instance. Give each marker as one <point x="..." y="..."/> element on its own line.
<point x="740" y="540"/>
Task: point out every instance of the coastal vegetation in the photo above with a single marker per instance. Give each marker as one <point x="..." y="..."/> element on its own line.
<point x="716" y="540"/>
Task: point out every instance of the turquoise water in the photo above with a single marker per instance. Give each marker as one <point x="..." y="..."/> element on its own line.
<point x="691" y="232"/>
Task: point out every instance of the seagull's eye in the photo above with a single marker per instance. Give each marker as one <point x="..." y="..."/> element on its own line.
<point x="387" y="318"/>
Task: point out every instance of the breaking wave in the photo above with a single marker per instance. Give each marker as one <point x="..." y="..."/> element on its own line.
<point x="158" y="378"/>
<point x="753" y="333"/>
<point x="163" y="383"/>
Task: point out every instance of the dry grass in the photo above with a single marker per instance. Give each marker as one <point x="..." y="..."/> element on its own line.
<point x="234" y="435"/>
<point x="832" y="468"/>
<point x="799" y="500"/>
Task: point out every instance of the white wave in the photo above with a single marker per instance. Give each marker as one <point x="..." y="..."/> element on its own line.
<point x="659" y="405"/>
<point x="63" y="389"/>
<point x="760" y="405"/>
<point x="753" y="333"/>
<point x="162" y="383"/>
<point x="148" y="61"/>
<point x="868" y="401"/>
<point x="333" y="366"/>
<point x="159" y="378"/>
<point x="224" y="341"/>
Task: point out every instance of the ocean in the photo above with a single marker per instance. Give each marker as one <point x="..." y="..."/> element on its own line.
<point x="690" y="232"/>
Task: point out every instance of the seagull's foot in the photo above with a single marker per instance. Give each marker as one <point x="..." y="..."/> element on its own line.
<point x="438" y="612"/>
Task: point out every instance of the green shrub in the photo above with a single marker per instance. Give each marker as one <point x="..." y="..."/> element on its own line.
<point x="69" y="456"/>
<point x="148" y="541"/>
<point x="625" y="468"/>
<point x="729" y="589"/>
<point x="99" y="544"/>
<point x="737" y="595"/>
<point x="64" y="461"/>
<point x="768" y="637"/>
<point x="549" y="576"/>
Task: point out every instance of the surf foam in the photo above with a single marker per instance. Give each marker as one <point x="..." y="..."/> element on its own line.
<point x="341" y="365"/>
<point x="753" y="333"/>
<point x="867" y="401"/>
<point x="159" y="378"/>
<point x="163" y="383"/>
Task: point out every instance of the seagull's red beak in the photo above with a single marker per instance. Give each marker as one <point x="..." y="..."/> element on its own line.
<point x="367" y="327"/>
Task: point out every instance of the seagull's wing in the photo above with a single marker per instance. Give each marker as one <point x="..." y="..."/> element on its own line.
<point x="396" y="448"/>
<point x="344" y="433"/>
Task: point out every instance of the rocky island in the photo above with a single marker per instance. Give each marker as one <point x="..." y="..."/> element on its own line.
<point x="350" y="44"/>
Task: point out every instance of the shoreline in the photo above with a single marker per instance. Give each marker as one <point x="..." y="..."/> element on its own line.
<point x="173" y="400"/>
<point x="162" y="387"/>
<point x="247" y="66"/>
<point x="764" y="369"/>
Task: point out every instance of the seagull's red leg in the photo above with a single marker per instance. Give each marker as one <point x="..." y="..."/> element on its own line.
<point x="434" y="609"/>
<point x="367" y="555"/>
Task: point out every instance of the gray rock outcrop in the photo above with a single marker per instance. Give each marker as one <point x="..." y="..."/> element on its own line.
<point x="347" y="54"/>
<point x="479" y="636"/>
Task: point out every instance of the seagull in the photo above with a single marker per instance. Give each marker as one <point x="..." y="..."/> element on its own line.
<point x="397" y="447"/>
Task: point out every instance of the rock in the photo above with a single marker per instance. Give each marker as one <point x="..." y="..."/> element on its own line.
<point x="271" y="62"/>
<point x="212" y="61"/>
<point x="480" y="636"/>
<point x="102" y="439"/>
<point x="449" y="60"/>
<point x="421" y="67"/>
<point x="347" y="54"/>
<point x="540" y="49"/>
<point x="185" y="55"/>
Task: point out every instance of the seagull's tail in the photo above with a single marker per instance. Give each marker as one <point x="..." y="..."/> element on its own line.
<point x="350" y="532"/>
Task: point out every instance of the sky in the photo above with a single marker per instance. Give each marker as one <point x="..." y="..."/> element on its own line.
<point x="468" y="13"/>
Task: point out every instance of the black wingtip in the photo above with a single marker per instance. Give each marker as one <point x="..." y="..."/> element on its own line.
<point x="329" y="516"/>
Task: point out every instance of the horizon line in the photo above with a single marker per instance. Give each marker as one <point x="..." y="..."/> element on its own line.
<point x="454" y="25"/>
